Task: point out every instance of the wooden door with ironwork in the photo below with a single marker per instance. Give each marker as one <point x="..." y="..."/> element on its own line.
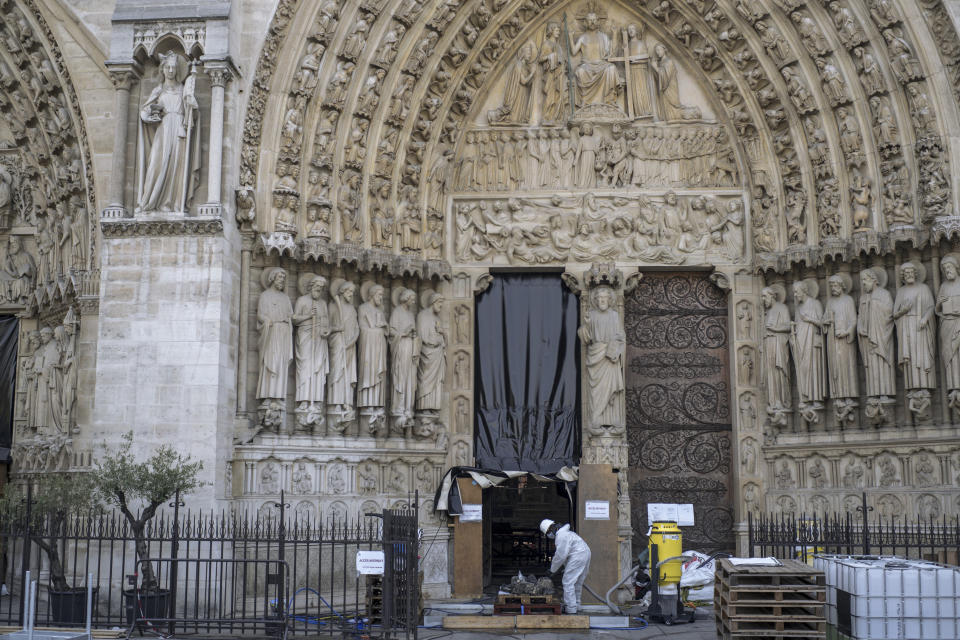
<point x="678" y="404"/>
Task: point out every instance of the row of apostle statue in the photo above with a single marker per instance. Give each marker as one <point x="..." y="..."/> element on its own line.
<point x="49" y="374"/>
<point x="350" y="360"/>
<point x="824" y="342"/>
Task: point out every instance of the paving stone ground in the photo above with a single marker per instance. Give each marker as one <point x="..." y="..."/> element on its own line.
<point x="702" y="629"/>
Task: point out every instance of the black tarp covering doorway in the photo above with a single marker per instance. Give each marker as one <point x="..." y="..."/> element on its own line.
<point x="527" y="414"/>
<point x="9" y="334"/>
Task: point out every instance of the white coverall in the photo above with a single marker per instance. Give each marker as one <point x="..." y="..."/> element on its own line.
<point x="573" y="552"/>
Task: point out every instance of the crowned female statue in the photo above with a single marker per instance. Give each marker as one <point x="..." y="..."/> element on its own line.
<point x="168" y="144"/>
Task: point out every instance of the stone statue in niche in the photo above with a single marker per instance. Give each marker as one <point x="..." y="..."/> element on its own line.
<point x="344" y="332"/>
<point x="913" y="312"/>
<point x="404" y="353"/>
<point x="604" y="341"/>
<point x="818" y="474"/>
<point x="751" y="495"/>
<point x="776" y="354"/>
<point x="19" y="273"/>
<point x="806" y="339"/>
<point x="275" y="346"/>
<point x="432" y="364"/>
<point x="553" y="68"/>
<point x="47" y="414"/>
<point x="748" y="412"/>
<point x="875" y="331"/>
<point x="461" y="323"/>
<point x="68" y="369"/>
<point x="928" y="507"/>
<point x="371" y="385"/>
<point x="337" y="478"/>
<point x="748" y="456"/>
<point x="840" y="329"/>
<point x="948" y="308"/>
<point x="744" y="320"/>
<point x="597" y="79"/>
<point x="517" y="96"/>
<point x="313" y="361"/>
<point x="168" y="144"/>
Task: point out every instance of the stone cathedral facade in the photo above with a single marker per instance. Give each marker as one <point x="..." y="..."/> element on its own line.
<point x="257" y="230"/>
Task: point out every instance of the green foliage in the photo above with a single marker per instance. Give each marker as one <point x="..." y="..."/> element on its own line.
<point x="122" y="481"/>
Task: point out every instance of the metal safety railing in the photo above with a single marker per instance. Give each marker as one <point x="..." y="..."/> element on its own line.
<point x="801" y="536"/>
<point x="237" y="574"/>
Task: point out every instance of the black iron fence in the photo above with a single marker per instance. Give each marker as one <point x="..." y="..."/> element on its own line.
<point x="220" y="573"/>
<point x="801" y="536"/>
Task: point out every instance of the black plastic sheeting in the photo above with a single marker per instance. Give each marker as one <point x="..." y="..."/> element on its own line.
<point x="527" y="415"/>
<point x="9" y="333"/>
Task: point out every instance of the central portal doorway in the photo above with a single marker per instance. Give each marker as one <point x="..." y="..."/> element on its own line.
<point x="678" y="404"/>
<point x="527" y="416"/>
<point x="512" y="539"/>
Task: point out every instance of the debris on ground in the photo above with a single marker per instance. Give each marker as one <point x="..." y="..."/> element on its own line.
<point x="521" y="585"/>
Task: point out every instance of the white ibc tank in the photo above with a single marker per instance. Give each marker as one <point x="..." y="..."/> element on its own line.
<point x="890" y="598"/>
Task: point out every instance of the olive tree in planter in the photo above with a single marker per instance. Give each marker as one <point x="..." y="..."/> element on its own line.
<point x="123" y="482"/>
<point x="53" y="500"/>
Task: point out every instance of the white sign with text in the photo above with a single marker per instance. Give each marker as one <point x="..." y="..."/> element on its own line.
<point x="596" y="510"/>
<point x="370" y="563"/>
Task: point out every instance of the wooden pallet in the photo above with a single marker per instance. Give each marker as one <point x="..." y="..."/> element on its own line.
<point x="550" y="609"/>
<point x="505" y="598"/>
<point x="769" y="602"/>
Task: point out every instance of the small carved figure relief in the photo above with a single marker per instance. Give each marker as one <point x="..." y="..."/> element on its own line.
<point x="871" y="74"/>
<point x="834" y="86"/>
<point x="748" y="412"/>
<point x="397" y="478"/>
<point x="302" y="480"/>
<point x="305" y="512"/>
<point x="848" y="27"/>
<point x="745" y="366"/>
<point x="777" y="329"/>
<point x="810" y="34"/>
<point x="925" y="470"/>
<point x="784" y="475"/>
<point x="774" y="42"/>
<point x="751" y="497"/>
<point x="744" y="320"/>
<point x="605" y="342"/>
<point x="840" y="329"/>
<point x="18" y="275"/>
<point x="807" y="342"/>
<point x="367" y="474"/>
<point x="889" y="474"/>
<point x="337" y="478"/>
<point x="270" y="478"/>
<point x="905" y="65"/>
<point x="748" y="456"/>
<point x="853" y="476"/>
<point x="928" y="507"/>
<point x="818" y="474"/>
<point x="948" y="309"/>
<point x="913" y="311"/>
<point x="890" y="506"/>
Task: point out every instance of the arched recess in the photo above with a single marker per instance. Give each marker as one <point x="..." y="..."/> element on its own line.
<point x="49" y="275"/>
<point x="47" y="170"/>
<point x="804" y="107"/>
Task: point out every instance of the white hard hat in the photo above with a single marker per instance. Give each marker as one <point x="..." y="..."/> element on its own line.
<point x="545" y="525"/>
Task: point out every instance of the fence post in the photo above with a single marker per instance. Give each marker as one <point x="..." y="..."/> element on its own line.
<point x="25" y="556"/>
<point x="864" y="509"/>
<point x="750" y="537"/>
<point x="174" y="554"/>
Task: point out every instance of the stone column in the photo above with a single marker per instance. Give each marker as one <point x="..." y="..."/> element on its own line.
<point x="220" y="73"/>
<point x="123" y="76"/>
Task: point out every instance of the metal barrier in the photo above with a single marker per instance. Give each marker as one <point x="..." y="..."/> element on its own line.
<point x="801" y="536"/>
<point x="215" y="597"/>
<point x="324" y="594"/>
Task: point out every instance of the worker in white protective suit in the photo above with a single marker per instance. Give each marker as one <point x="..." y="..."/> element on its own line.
<point x="574" y="555"/>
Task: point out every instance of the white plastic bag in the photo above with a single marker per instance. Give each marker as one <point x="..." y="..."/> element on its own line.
<point x="698" y="577"/>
